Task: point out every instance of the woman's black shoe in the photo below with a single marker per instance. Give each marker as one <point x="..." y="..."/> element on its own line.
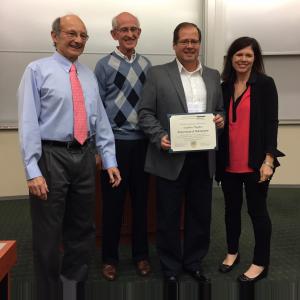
<point x="226" y="268"/>
<point x="243" y="278"/>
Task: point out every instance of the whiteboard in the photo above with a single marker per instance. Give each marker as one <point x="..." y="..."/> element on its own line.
<point x="285" y="72"/>
<point x="274" y="23"/>
<point x="26" y="25"/>
<point x="276" y="26"/>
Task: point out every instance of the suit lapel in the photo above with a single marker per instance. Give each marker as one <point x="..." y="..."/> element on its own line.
<point x="207" y="82"/>
<point x="176" y="81"/>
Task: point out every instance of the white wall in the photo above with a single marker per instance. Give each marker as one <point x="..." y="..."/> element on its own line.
<point x="289" y="143"/>
<point x="25" y="38"/>
<point x="12" y="179"/>
<point x="275" y="24"/>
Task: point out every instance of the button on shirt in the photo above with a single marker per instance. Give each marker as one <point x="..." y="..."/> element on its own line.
<point x="46" y="110"/>
<point x="194" y="88"/>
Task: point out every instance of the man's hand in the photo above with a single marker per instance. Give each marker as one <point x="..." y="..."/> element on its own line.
<point x="114" y="176"/>
<point x="219" y="120"/>
<point x="38" y="187"/>
<point x="165" y="142"/>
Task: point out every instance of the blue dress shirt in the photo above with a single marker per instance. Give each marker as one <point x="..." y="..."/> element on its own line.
<point x="46" y="110"/>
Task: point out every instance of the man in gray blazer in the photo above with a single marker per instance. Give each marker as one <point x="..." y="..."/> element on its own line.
<point x="182" y="86"/>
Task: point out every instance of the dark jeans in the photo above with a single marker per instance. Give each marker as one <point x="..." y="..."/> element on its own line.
<point x="131" y="159"/>
<point x="256" y="196"/>
<point x="195" y="186"/>
<point x="64" y="219"/>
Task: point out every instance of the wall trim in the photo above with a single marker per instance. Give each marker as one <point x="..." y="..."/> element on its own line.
<point x="20" y="197"/>
<point x="272" y="186"/>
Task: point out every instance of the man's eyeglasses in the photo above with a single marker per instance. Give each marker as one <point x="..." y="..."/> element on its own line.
<point x="127" y="29"/>
<point x="187" y="42"/>
<point x="72" y="35"/>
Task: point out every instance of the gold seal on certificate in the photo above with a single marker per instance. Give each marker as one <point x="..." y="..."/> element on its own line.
<point x="192" y="132"/>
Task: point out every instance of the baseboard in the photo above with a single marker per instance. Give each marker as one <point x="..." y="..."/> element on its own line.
<point x="215" y="186"/>
<point x="20" y="197"/>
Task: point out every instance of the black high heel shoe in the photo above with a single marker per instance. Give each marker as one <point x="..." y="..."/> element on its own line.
<point x="243" y="278"/>
<point x="223" y="268"/>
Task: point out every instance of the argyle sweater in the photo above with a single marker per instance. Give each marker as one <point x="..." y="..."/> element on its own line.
<point x="120" y="84"/>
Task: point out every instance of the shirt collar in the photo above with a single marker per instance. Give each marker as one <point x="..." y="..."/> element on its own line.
<point x="119" y="53"/>
<point x="181" y="68"/>
<point x="65" y="63"/>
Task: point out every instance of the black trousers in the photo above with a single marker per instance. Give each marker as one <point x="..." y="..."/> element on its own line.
<point x="195" y="185"/>
<point x="65" y="218"/>
<point x="131" y="159"/>
<point x="256" y="196"/>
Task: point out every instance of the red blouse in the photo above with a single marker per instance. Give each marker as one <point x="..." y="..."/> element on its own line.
<point x="239" y="126"/>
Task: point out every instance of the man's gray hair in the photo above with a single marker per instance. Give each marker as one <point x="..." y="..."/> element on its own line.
<point x="114" y="22"/>
<point x="56" y="26"/>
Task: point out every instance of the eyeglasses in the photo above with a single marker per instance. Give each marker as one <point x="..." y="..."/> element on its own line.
<point x="127" y="29"/>
<point x="187" y="42"/>
<point x="72" y="35"/>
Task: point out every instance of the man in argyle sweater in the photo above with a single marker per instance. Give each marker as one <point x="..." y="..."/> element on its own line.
<point x="121" y="76"/>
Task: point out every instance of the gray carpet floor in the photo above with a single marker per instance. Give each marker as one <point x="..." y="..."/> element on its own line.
<point x="283" y="282"/>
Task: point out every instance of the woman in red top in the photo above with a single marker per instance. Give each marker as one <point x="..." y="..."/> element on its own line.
<point x="248" y="152"/>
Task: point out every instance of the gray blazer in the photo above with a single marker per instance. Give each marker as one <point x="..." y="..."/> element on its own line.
<point x="163" y="94"/>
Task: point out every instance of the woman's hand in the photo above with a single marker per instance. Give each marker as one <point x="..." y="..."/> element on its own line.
<point x="266" y="172"/>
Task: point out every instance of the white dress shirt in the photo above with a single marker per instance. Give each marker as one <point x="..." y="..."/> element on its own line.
<point x="194" y="88"/>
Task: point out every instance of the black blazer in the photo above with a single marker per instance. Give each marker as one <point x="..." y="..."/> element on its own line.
<point x="263" y="123"/>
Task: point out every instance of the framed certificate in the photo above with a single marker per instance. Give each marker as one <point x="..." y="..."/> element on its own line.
<point x="192" y="132"/>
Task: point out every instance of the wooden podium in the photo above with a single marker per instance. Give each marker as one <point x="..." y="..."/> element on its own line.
<point x="8" y="258"/>
<point x="127" y="220"/>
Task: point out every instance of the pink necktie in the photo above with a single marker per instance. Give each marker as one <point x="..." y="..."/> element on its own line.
<point x="80" y="122"/>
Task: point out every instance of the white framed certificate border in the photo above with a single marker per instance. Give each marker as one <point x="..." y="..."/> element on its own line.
<point x="192" y="137"/>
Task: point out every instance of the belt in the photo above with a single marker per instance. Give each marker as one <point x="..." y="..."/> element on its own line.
<point x="69" y="145"/>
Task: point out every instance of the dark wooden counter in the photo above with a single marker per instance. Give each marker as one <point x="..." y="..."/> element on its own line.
<point x="8" y="258"/>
